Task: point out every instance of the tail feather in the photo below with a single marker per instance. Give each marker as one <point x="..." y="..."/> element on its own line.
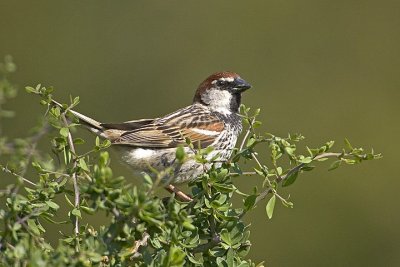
<point x="93" y="125"/>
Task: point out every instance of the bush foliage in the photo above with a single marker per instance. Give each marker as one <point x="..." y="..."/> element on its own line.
<point x="143" y="229"/>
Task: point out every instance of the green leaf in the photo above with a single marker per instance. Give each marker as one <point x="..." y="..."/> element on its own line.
<point x="290" y="178"/>
<point x="75" y="101"/>
<point x="83" y="165"/>
<point x="79" y="141"/>
<point x="188" y="226"/>
<point x="230" y="257"/>
<point x="250" y="142"/>
<point x="290" y="150"/>
<point x="30" y="90"/>
<point x="37" y="166"/>
<point x="176" y="257"/>
<point x="52" y="205"/>
<point x="180" y="153"/>
<point x="88" y="210"/>
<point x="55" y="111"/>
<point x="69" y="201"/>
<point x="335" y="165"/>
<point x="19" y="252"/>
<point x="64" y="131"/>
<point x="16" y="226"/>
<point x="147" y="179"/>
<point x="33" y="227"/>
<point x="306" y="160"/>
<point x="257" y="124"/>
<point x="76" y="212"/>
<point x="49" y="90"/>
<point x="224" y="188"/>
<point x="226" y="237"/>
<point x="307" y="168"/>
<point x="310" y="151"/>
<point x="106" y="143"/>
<point x="249" y="202"/>
<point x="351" y="161"/>
<point x="348" y="145"/>
<point x="270" y="206"/>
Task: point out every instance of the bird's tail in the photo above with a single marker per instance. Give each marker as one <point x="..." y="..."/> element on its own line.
<point x="93" y="125"/>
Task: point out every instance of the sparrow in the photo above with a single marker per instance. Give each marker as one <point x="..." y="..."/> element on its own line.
<point x="212" y="120"/>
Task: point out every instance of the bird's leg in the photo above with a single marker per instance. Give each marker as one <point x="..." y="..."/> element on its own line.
<point x="178" y="193"/>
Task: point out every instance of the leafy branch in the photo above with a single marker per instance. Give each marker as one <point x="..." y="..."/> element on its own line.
<point x="142" y="229"/>
<point x="73" y="175"/>
<point x="275" y="175"/>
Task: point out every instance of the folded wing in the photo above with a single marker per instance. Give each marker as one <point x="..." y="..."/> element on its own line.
<point x="200" y="127"/>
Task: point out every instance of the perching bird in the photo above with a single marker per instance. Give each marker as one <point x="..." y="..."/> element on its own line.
<point x="211" y="120"/>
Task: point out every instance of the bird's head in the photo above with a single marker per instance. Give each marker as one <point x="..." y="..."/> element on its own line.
<point x="221" y="92"/>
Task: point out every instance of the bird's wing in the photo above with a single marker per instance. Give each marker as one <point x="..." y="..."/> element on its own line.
<point x="200" y="126"/>
<point x="128" y="125"/>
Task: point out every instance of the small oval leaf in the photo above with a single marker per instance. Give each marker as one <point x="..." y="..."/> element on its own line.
<point x="270" y="206"/>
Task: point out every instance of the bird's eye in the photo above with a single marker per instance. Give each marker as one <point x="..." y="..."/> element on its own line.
<point x="221" y="83"/>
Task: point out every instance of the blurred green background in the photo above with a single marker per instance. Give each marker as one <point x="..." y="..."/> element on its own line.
<point x="326" y="69"/>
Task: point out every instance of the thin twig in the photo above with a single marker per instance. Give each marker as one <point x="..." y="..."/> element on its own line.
<point x="178" y="193"/>
<point x="74" y="178"/>
<point x="114" y="210"/>
<point x="35" y="212"/>
<point x="247" y="134"/>
<point x="256" y="159"/>
<point x="55" y="173"/>
<point x="34" y="140"/>
<point x="242" y="173"/>
<point x="7" y="170"/>
<point x="297" y="168"/>
<point x="138" y="244"/>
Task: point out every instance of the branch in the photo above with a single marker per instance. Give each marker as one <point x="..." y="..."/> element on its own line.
<point x="138" y="244"/>
<point x="114" y="210"/>
<point x="297" y="168"/>
<point x="247" y="134"/>
<point x="7" y="170"/>
<point x="178" y="193"/>
<point x="234" y="174"/>
<point x="74" y="178"/>
<point x="34" y="212"/>
<point x="34" y="141"/>
<point x="293" y="170"/>
<point x="256" y="159"/>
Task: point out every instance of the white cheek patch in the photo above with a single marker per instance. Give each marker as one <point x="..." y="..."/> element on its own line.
<point x="221" y="98"/>
<point x="218" y="100"/>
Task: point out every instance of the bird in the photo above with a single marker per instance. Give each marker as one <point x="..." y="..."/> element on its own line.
<point x="150" y="145"/>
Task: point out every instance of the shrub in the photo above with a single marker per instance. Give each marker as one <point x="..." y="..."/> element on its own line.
<point x="143" y="229"/>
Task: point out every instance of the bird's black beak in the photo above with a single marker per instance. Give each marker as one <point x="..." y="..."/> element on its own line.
<point x="241" y="85"/>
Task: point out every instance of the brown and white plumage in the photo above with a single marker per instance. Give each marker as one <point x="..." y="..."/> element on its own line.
<point x="211" y="120"/>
